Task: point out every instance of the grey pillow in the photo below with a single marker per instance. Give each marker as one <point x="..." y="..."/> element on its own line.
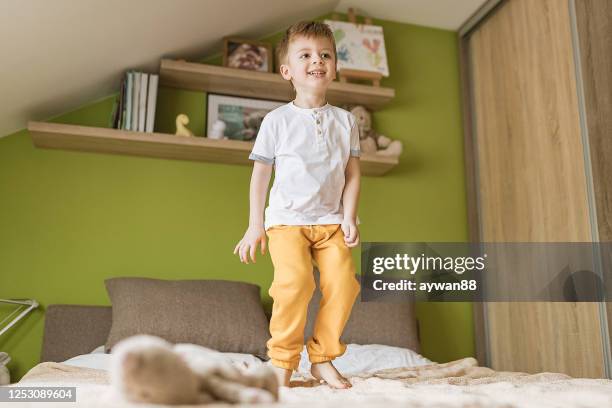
<point x="222" y="315"/>
<point x="390" y="324"/>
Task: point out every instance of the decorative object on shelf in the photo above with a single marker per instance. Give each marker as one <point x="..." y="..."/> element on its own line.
<point x="360" y="48"/>
<point x="247" y="54"/>
<point x="217" y="131"/>
<point x="23" y="308"/>
<point x="371" y="141"/>
<point x="242" y="116"/>
<point x="182" y="121"/>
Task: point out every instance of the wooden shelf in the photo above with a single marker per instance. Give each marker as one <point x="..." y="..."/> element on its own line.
<point x="161" y="145"/>
<point x="263" y="85"/>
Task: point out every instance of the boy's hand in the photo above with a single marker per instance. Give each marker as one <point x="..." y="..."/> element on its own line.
<point x="351" y="233"/>
<point x="248" y="244"/>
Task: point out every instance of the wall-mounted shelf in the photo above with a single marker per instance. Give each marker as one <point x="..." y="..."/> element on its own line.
<point x="161" y="145"/>
<point x="265" y="85"/>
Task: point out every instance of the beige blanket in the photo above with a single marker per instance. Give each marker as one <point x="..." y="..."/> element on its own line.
<point x="460" y="383"/>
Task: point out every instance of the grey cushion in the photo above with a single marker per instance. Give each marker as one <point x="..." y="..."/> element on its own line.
<point x="223" y="315"/>
<point x="71" y="330"/>
<point x="390" y="324"/>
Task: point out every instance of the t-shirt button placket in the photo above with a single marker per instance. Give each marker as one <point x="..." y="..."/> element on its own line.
<point x="319" y="135"/>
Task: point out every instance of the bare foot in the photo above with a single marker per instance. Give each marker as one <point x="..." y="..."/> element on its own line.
<point x="282" y="374"/>
<point x="328" y="373"/>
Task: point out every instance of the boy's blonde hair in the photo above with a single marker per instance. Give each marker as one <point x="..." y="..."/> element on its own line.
<point x="308" y="29"/>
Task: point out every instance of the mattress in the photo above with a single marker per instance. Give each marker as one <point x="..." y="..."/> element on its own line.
<point x="386" y="380"/>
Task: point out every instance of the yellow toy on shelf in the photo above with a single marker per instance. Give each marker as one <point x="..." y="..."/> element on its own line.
<point x="181" y="129"/>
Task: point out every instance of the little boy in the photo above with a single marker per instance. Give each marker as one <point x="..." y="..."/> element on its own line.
<point x="312" y="212"/>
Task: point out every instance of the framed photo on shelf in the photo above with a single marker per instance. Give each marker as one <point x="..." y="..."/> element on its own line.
<point x="360" y="46"/>
<point x="247" y="54"/>
<point x="236" y="118"/>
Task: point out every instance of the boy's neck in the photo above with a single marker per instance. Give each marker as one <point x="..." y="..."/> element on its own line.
<point x="310" y="101"/>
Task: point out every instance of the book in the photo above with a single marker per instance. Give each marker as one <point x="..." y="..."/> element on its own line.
<point x="135" y="101"/>
<point x="151" y="102"/>
<point x="118" y="116"/>
<point x="129" y="90"/>
<point x="113" y="116"/>
<point x="123" y="118"/>
<point x="142" y="101"/>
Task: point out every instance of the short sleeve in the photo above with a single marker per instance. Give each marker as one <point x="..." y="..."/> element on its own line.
<point x="355" y="149"/>
<point x="265" y="142"/>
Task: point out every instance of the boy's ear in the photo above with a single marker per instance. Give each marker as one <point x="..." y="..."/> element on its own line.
<point x="284" y="71"/>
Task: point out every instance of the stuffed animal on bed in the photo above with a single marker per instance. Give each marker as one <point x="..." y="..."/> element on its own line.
<point x="149" y="369"/>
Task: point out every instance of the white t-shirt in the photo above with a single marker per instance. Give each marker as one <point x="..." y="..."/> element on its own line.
<point x="309" y="149"/>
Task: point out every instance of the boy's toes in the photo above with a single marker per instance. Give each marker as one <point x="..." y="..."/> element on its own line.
<point x="340" y="384"/>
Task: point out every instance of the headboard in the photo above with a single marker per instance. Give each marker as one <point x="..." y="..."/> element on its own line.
<point x="72" y="330"/>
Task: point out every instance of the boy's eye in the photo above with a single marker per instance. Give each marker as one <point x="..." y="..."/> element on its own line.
<point x="324" y="55"/>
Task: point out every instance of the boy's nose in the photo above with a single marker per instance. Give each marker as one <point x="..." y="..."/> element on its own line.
<point x="317" y="59"/>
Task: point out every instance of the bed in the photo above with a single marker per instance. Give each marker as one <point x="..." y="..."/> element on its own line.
<point x="75" y="354"/>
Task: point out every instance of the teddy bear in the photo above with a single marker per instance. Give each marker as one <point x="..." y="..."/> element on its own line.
<point x="149" y="369"/>
<point x="371" y="141"/>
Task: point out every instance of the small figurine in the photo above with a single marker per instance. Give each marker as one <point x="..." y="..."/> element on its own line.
<point x="217" y="131"/>
<point x="181" y="129"/>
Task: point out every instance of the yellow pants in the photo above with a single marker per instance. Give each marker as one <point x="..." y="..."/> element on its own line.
<point x="293" y="249"/>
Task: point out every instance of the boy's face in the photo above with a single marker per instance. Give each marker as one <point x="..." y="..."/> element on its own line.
<point x="310" y="63"/>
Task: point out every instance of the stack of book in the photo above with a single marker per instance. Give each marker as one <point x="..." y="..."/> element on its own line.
<point x="134" y="108"/>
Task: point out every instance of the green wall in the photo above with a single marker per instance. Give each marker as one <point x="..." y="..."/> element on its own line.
<point x="69" y="220"/>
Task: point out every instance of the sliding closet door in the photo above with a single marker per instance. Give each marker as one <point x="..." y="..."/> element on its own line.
<point x="530" y="177"/>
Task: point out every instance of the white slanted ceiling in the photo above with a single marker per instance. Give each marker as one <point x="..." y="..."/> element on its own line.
<point x="62" y="54"/>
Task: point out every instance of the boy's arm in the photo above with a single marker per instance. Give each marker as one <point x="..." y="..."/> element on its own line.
<point x="256" y="233"/>
<point x="352" y="185"/>
<point x="350" y="198"/>
<point x="260" y="180"/>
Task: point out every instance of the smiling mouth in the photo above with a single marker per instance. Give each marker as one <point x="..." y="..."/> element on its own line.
<point x="316" y="73"/>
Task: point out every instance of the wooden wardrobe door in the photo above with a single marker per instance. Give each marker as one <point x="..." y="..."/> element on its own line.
<point x="531" y="178"/>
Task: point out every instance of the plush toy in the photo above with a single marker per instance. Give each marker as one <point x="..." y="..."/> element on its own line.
<point x="181" y="129"/>
<point x="371" y="141"/>
<point x="149" y="369"/>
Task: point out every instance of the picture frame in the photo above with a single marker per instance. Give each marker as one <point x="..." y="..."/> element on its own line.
<point x="242" y="53"/>
<point x="360" y="47"/>
<point x="238" y="118"/>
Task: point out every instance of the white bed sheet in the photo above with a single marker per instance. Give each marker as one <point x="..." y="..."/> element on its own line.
<point x="356" y="359"/>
